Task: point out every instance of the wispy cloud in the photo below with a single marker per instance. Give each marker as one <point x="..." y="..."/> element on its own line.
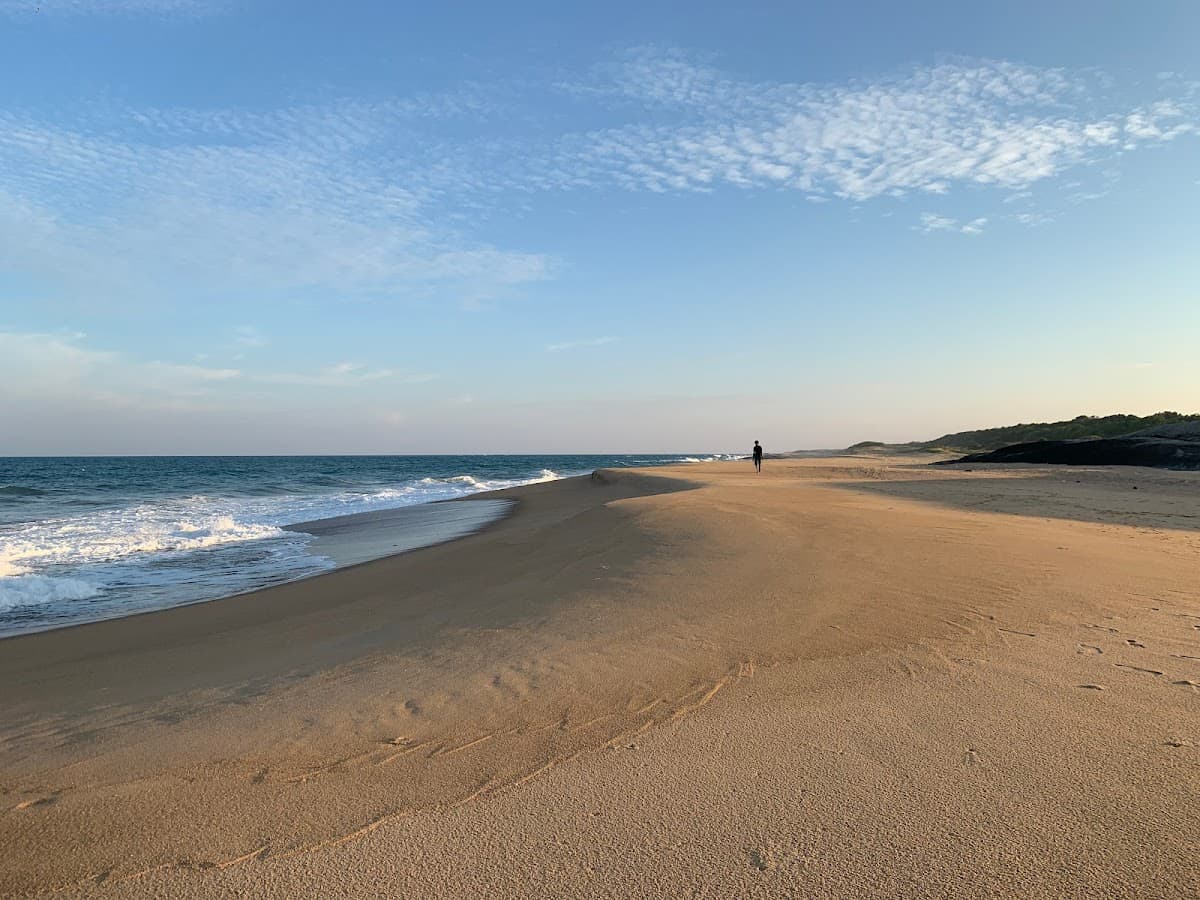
<point x="248" y="337"/>
<point x="183" y="371"/>
<point x="329" y="197"/>
<point x="64" y="368"/>
<point x="571" y="345"/>
<point x="346" y="374"/>
<point x="57" y="358"/>
<point x="387" y="197"/>
<point x="113" y="7"/>
<point x="964" y="122"/>
<point x="931" y="222"/>
<point x="110" y="7"/>
<point x="1033" y="218"/>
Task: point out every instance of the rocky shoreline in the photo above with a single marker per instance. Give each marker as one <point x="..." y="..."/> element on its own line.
<point x="1140" y="449"/>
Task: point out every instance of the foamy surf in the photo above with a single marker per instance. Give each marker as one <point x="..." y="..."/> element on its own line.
<point x="34" y="590"/>
<point x="83" y="539"/>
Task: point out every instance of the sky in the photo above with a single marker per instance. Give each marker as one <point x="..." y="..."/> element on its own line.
<point x="247" y="226"/>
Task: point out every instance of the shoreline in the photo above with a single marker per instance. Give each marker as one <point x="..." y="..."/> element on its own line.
<point x="366" y="536"/>
<point x="354" y="539"/>
<point x="755" y="671"/>
<point x="349" y="539"/>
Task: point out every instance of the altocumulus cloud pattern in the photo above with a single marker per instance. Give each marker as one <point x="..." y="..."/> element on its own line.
<point x="369" y="196"/>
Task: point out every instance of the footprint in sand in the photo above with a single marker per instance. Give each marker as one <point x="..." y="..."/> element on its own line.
<point x="412" y="707"/>
<point x="762" y="858"/>
<point x="1138" y="669"/>
<point x="36" y="801"/>
<point x="1089" y="649"/>
<point x="970" y="757"/>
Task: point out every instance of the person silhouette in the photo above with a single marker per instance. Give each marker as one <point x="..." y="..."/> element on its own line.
<point x="757" y="456"/>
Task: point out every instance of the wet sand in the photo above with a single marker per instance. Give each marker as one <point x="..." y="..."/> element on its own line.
<point x="844" y="677"/>
<point x="362" y="537"/>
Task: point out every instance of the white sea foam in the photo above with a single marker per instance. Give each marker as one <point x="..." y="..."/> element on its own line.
<point x="9" y="569"/>
<point x="35" y="590"/>
<point x="115" y="534"/>
<point x="461" y="485"/>
<point x="152" y="546"/>
<point x="156" y="553"/>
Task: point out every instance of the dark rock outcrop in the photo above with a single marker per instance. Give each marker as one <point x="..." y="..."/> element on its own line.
<point x="1135" y="450"/>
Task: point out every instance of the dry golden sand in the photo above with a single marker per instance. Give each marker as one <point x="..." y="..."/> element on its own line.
<point x="841" y="678"/>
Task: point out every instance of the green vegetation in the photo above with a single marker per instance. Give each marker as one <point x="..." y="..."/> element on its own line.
<point x="1079" y="428"/>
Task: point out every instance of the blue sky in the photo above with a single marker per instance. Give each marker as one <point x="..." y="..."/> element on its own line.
<point x="258" y="227"/>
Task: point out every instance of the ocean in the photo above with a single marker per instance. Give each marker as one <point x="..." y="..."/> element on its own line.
<point x="89" y="538"/>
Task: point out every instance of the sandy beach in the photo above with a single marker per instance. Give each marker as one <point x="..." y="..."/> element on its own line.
<point x="844" y="677"/>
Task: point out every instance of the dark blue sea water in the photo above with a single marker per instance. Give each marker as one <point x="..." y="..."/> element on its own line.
<point x="86" y="538"/>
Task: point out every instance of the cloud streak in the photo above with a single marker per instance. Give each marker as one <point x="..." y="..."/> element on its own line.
<point x="931" y="222"/>
<point x="66" y="370"/>
<point x="248" y="337"/>
<point x="571" y="345"/>
<point x="346" y="374"/>
<point x="39" y="371"/>
<point x="185" y="8"/>
<point x="296" y="199"/>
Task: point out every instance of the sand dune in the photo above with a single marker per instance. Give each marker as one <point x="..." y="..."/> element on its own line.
<point x="857" y="677"/>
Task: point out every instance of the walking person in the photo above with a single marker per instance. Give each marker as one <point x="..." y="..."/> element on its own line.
<point x="757" y="456"/>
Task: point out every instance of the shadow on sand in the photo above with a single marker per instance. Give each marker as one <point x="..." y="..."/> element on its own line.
<point x="1142" y="498"/>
